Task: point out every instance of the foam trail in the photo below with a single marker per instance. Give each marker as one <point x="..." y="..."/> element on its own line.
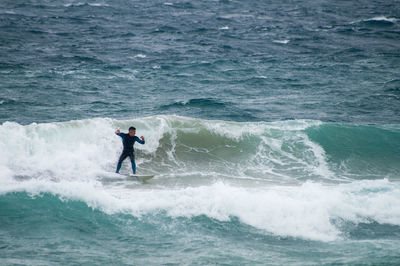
<point x="308" y="211"/>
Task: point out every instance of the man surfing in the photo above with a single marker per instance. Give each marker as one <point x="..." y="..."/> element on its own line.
<point x="128" y="140"/>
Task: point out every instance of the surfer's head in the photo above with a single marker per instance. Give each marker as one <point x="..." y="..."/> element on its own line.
<point x="132" y="131"/>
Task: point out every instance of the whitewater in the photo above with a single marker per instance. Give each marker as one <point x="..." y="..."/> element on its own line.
<point x="275" y="177"/>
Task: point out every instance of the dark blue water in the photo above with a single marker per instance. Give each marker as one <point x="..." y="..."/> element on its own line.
<point x="229" y="60"/>
<point x="273" y="129"/>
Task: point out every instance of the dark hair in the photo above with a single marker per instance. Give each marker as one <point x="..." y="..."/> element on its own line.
<point x="132" y="128"/>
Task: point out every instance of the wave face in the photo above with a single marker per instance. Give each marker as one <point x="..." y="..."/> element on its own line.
<point x="278" y="152"/>
<point x="63" y="229"/>
<point x="302" y="179"/>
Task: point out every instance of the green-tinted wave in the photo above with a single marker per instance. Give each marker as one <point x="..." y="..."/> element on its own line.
<point x="360" y="150"/>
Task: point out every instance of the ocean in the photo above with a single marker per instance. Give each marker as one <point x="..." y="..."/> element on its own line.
<point x="272" y="129"/>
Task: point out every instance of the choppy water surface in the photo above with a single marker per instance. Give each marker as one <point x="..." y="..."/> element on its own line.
<point x="229" y="60"/>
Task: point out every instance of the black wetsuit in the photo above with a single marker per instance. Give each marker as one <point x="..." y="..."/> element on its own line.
<point x="128" y="150"/>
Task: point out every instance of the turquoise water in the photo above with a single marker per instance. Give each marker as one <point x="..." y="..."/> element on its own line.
<point x="224" y="193"/>
<point x="272" y="129"/>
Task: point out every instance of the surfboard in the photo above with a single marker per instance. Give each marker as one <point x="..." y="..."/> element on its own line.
<point x="113" y="177"/>
<point x="140" y="177"/>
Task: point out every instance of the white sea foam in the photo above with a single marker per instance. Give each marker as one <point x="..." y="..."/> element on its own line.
<point x="74" y="4"/>
<point x="382" y="18"/>
<point x="98" y="4"/>
<point x="140" y="56"/>
<point x="83" y="149"/>
<point x="281" y="41"/>
<point x="378" y="18"/>
<point x="69" y="159"/>
<point x="307" y="211"/>
<point x="230" y="16"/>
<point x="70" y="150"/>
<point x="86" y="3"/>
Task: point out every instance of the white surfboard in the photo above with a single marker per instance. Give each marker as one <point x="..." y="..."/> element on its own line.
<point x="140" y="177"/>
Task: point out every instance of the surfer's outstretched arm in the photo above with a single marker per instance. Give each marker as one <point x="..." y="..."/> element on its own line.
<point x="140" y="140"/>
<point x="118" y="132"/>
